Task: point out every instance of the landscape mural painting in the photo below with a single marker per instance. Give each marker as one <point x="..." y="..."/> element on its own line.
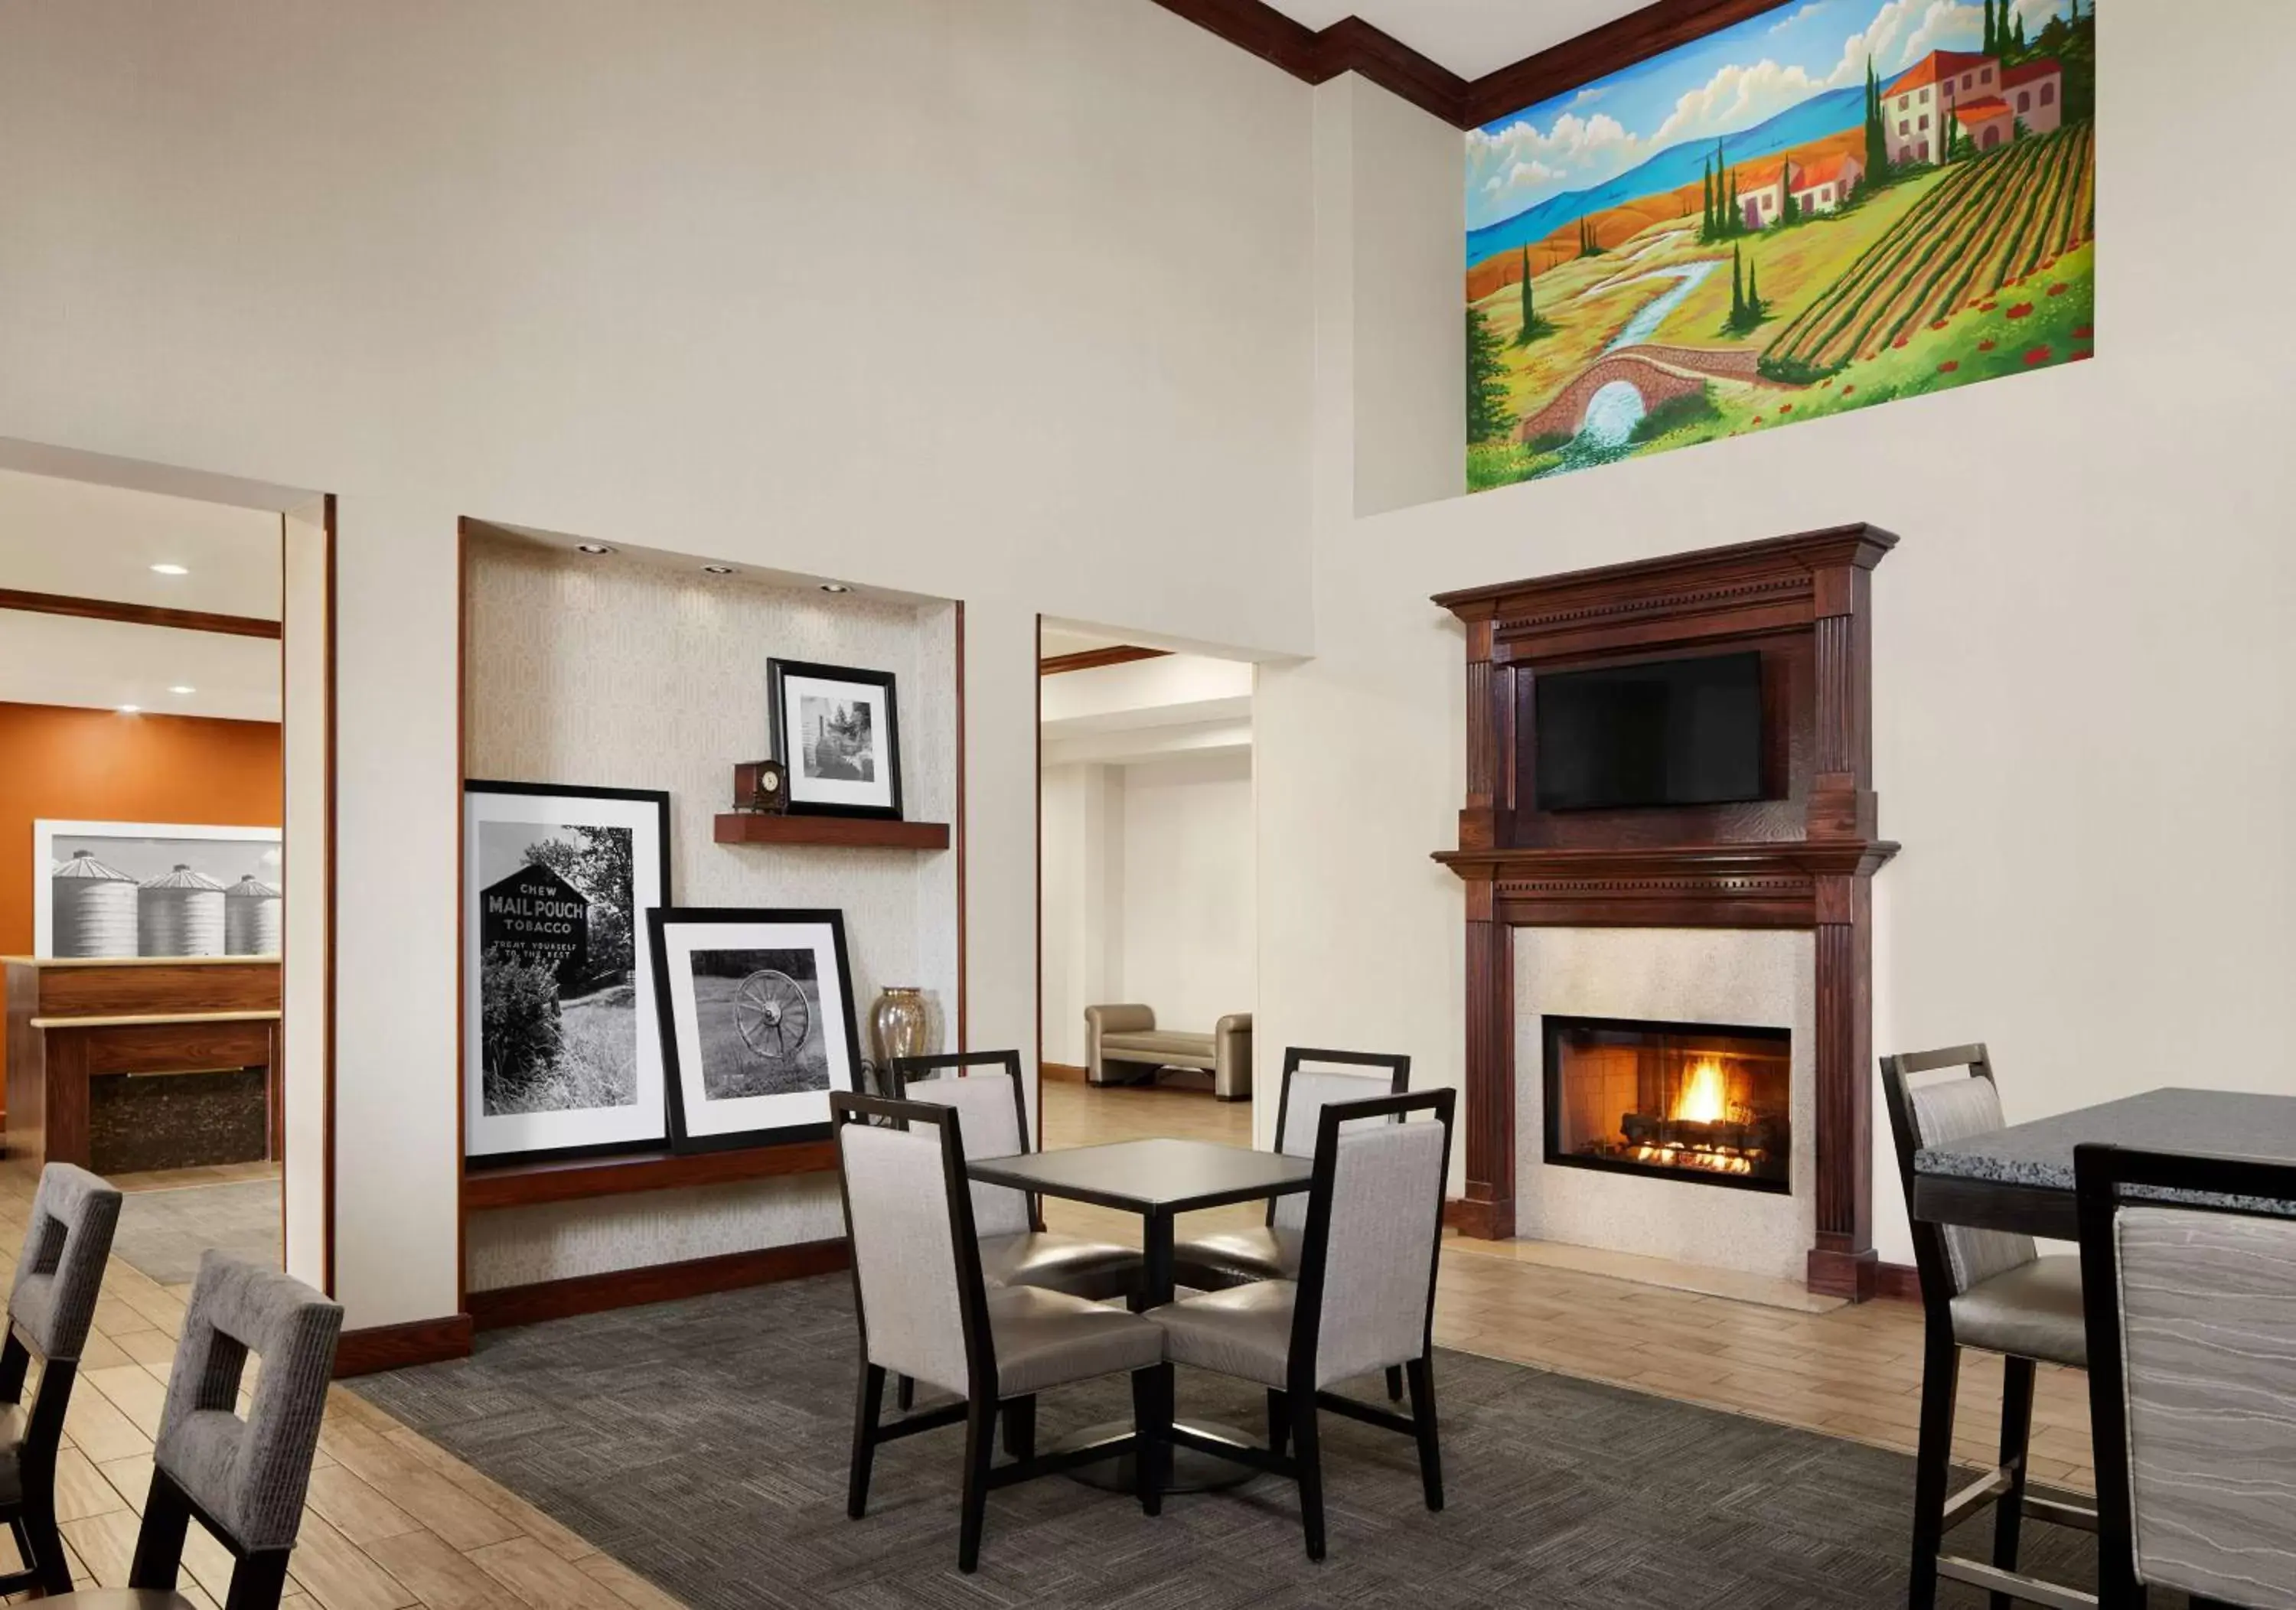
<point x="1832" y="205"/>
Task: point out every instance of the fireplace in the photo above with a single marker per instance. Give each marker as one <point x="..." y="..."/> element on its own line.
<point x="1691" y="1101"/>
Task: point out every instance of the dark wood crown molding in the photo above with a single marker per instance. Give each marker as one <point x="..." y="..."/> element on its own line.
<point x="1092" y="660"/>
<point x="1352" y="45"/>
<point x="137" y="615"/>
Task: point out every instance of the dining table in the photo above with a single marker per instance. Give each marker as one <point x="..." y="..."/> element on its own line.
<point x="1158" y="1179"/>
<point x="2020" y="1178"/>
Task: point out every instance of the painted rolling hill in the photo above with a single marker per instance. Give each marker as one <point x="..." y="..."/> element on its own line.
<point x="1671" y="169"/>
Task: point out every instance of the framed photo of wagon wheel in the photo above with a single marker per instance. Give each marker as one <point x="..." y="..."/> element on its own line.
<point x="560" y="1053"/>
<point x="838" y="731"/>
<point x="756" y="1024"/>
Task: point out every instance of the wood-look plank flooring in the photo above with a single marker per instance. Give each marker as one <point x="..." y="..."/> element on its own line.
<point x="1852" y="1372"/>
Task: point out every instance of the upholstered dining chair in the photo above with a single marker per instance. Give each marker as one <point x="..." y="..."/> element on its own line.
<point x="1016" y="1249"/>
<point x="50" y="1305"/>
<point x="243" y="1479"/>
<point x="1364" y="1300"/>
<point x="2192" y="1378"/>
<point x="1228" y="1258"/>
<point x="925" y="1310"/>
<point x="1988" y="1289"/>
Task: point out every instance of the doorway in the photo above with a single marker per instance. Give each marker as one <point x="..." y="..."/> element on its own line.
<point x="163" y="802"/>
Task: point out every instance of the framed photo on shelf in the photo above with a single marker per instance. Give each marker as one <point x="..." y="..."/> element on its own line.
<point x="756" y="1024"/>
<point x="838" y="731"/>
<point x="560" y="1056"/>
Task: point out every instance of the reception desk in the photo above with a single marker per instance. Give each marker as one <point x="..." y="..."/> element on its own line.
<point x="127" y="1065"/>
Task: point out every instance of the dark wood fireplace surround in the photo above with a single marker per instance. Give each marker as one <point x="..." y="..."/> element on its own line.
<point x="1802" y="858"/>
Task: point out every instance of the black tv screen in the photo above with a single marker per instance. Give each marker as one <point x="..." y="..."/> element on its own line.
<point x="1666" y="732"/>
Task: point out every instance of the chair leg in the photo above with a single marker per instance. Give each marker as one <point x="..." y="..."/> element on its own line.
<point x="1933" y="1463"/>
<point x="2016" y="1436"/>
<point x="42" y="1544"/>
<point x="159" y="1540"/>
<point x="905" y="1394"/>
<point x="1279" y="1423"/>
<point x="1394" y="1384"/>
<point x="980" y="1445"/>
<point x="1020" y="1427"/>
<point x="1311" y="1471"/>
<point x="259" y="1581"/>
<point x="868" y="1402"/>
<point x="1151" y="1425"/>
<point x="1422" y="1373"/>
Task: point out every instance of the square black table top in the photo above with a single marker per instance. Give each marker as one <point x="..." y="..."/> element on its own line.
<point x="1153" y="1177"/>
<point x="2213" y="1122"/>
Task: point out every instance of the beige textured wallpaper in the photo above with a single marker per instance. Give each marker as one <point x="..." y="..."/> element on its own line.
<point x="614" y="673"/>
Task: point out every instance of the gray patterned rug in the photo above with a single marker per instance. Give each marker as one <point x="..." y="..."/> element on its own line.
<point x="162" y="1233"/>
<point x="703" y="1443"/>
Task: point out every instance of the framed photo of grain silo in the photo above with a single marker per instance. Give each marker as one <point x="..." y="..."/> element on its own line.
<point x="838" y="731"/>
<point x="560" y="1054"/>
<point x="116" y="889"/>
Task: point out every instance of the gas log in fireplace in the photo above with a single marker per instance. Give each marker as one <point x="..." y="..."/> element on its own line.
<point x="1693" y="1101"/>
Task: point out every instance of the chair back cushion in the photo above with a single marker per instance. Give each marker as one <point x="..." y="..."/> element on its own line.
<point x="904" y="1251"/>
<point x="2208" y="1334"/>
<point x="1306" y="1094"/>
<point x="986" y="1106"/>
<point x="1961" y="1109"/>
<point x="59" y="1274"/>
<point x="1387" y="1191"/>
<point x="250" y="1474"/>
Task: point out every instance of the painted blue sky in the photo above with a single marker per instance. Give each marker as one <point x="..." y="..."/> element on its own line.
<point x="1727" y="81"/>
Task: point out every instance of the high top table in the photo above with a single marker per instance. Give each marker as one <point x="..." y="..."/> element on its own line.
<point x="1159" y="1179"/>
<point x="2020" y="1178"/>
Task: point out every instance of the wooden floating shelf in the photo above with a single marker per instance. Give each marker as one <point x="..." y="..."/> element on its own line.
<point x="524" y="1184"/>
<point x="851" y="832"/>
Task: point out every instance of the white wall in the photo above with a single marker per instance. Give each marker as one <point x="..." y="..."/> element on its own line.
<point x="1002" y="301"/>
<point x="1149" y="893"/>
<point x="2084" y="674"/>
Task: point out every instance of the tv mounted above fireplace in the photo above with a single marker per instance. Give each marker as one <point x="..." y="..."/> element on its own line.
<point x="1680" y="731"/>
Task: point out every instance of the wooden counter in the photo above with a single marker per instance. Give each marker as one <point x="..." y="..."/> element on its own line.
<point x="71" y="1020"/>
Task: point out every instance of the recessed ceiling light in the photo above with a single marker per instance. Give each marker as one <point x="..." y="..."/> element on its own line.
<point x="130" y="710"/>
<point x="183" y="687"/>
<point x="171" y="570"/>
<point x="717" y="569"/>
<point x="835" y="587"/>
<point x="592" y="548"/>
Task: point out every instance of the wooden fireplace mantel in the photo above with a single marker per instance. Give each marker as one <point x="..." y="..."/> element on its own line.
<point x="1802" y="857"/>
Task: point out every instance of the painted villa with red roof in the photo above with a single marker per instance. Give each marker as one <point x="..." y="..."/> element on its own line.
<point x="2035" y="95"/>
<point x="1819" y="186"/>
<point x="1916" y="108"/>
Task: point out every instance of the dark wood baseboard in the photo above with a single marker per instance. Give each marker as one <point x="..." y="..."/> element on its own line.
<point x="1482" y="1221"/>
<point x="662" y="1283"/>
<point x="1901" y="1282"/>
<point x="1067" y="1073"/>
<point x="396" y="1347"/>
<point x="1843" y="1274"/>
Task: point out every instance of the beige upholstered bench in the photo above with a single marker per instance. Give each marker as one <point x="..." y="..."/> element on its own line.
<point x="1127" y="1036"/>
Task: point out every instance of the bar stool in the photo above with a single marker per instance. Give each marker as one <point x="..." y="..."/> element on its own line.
<point x="1992" y="1290"/>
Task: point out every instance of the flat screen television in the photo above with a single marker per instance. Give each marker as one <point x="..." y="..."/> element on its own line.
<point x="1665" y="733"/>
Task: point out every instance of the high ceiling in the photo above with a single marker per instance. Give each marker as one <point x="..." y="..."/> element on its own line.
<point x="82" y="540"/>
<point x="1471" y="37"/>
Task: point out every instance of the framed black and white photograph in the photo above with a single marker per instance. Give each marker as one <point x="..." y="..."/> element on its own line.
<point x="561" y="1053"/>
<point x="838" y="731"/>
<point x="756" y="1024"/>
<point x="154" y="888"/>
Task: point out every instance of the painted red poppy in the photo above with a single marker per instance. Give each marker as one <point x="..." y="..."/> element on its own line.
<point x="2082" y="332"/>
<point x="1987" y="344"/>
<point x="1785" y="408"/>
<point x="1949" y="366"/>
<point x="2081" y="356"/>
<point x="1846" y="390"/>
<point x="2040" y="354"/>
<point x="2023" y="310"/>
<point x="1898" y="342"/>
<point x="2059" y="289"/>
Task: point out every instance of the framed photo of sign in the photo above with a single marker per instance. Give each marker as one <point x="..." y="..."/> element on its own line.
<point x="560" y="1050"/>
<point x="756" y="1024"/>
<point x="838" y="731"/>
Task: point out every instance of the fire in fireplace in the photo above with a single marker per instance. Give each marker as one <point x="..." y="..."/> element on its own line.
<point x="1702" y="1102"/>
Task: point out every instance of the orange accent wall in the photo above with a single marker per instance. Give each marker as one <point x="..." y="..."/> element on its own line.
<point x="99" y="765"/>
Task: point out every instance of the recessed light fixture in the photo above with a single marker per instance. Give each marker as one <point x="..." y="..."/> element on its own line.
<point x="130" y="710"/>
<point x="183" y="687"/>
<point x="592" y="548"/>
<point x="717" y="569"/>
<point x="835" y="587"/>
<point x="171" y="569"/>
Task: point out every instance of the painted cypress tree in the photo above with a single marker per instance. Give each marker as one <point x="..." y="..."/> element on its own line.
<point x="1737" y="288"/>
<point x="1533" y="327"/>
<point x="1877" y="128"/>
<point x="1753" y="295"/>
<point x="2019" y="42"/>
<point x="1992" y="37"/>
<point x="1706" y="212"/>
<point x="1788" y="209"/>
<point x="1486" y="404"/>
<point x="1737" y="213"/>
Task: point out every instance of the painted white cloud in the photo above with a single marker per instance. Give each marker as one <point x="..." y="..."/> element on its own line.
<point x="1803" y="15"/>
<point x="1736" y="98"/>
<point x="1521" y="164"/>
<point x="1945" y="26"/>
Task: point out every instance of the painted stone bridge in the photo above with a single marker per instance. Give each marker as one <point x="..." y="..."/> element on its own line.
<point x="1660" y="374"/>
